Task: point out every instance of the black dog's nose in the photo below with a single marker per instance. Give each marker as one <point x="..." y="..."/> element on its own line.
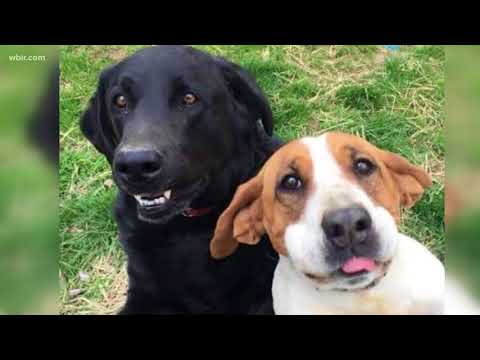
<point x="347" y="227"/>
<point x="138" y="164"/>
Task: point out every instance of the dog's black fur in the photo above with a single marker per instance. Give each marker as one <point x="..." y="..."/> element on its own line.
<point x="207" y="148"/>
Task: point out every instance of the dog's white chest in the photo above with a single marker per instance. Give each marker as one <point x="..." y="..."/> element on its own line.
<point x="413" y="285"/>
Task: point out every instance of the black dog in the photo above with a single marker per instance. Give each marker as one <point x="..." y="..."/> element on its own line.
<point x="182" y="129"/>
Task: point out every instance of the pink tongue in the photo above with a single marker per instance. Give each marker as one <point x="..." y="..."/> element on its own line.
<point x="357" y="264"/>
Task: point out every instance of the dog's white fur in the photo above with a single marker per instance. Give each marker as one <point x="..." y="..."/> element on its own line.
<point x="414" y="284"/>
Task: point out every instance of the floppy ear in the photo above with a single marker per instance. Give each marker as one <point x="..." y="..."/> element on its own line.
<point x="246" y="91"/>
<point x="241" y="222"/>
<point x="95" y="124"/>
<point x="410" y="179"/>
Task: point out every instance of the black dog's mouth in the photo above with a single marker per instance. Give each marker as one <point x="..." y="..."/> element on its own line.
<point x="152" y="201"/>
<point x="161" y="206"/>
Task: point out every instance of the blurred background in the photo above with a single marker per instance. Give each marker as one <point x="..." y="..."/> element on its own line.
<point x="463" y="179"/>
<point x="28" y="179"/>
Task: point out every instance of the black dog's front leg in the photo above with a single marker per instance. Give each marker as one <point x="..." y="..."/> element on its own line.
<point x="138" y="304"/>
<point x="141" y="303"/>
<point x="143" y="296"/>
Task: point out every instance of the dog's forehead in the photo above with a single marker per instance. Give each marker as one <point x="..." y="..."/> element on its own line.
<point x="320" y="159"/>
<point x="332" y="153"/>
<point x="294" y="155"/>
<point x="333" y="156"/>
<point x="340" y="143"/>
<point x="167" y="61"/>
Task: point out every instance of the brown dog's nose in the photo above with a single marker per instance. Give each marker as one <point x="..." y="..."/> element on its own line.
<point x="346" y="227"/>
<point x="138" y="164"/>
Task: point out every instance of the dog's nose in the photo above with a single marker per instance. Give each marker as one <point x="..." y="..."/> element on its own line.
<point x="346" y="227"/>
<point x="138" y="164"/>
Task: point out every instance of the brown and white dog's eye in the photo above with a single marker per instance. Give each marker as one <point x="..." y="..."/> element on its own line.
<point x="291" y="183"/>
<point x="363" y="167"/>
<point x="189" y="99"/>
<point x="120" y="101"/>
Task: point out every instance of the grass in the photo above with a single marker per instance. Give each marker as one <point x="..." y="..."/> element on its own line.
<point x="394" y="100"/>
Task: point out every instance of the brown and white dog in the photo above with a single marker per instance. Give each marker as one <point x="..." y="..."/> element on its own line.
<point x="330" y="206"/>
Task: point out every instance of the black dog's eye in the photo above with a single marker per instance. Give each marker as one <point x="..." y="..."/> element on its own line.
<point x="189" y="99"/>
<point x="291" y="183"/>
<point x="120" y="101"/>
<point x="363" y="167"/>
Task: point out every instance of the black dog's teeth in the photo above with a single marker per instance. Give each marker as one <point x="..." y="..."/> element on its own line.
<point x="149" y="201"/>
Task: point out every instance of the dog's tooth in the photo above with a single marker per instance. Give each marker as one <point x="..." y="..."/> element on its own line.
<point x="162" y="199"/>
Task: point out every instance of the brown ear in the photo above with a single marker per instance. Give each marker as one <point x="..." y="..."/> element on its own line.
<point x="411" y="180"/>
<point x="241" y="222"/>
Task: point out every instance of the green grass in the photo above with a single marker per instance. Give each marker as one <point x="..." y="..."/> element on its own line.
<point x="393" y="100"/>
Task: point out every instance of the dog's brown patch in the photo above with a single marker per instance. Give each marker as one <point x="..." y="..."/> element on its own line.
<point x="394" y="183"/>
<point x="259" y="205"/>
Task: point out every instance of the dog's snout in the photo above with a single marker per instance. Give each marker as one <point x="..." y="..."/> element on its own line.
<point x="347" y="227"/>
<point x="138" y="164"/>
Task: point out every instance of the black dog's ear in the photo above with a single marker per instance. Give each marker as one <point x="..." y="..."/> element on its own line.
<point x="95" y="124"/>
<point x="246" y="91"/>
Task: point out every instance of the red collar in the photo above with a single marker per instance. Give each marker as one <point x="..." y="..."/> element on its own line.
<point x="190" y="212"/>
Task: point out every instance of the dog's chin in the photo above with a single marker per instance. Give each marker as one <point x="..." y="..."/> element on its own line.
<point x="338" y="281"/>
<point x="359" y="282"/>
<point x="161" y="206"/>
<point x="161" y="216"/>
